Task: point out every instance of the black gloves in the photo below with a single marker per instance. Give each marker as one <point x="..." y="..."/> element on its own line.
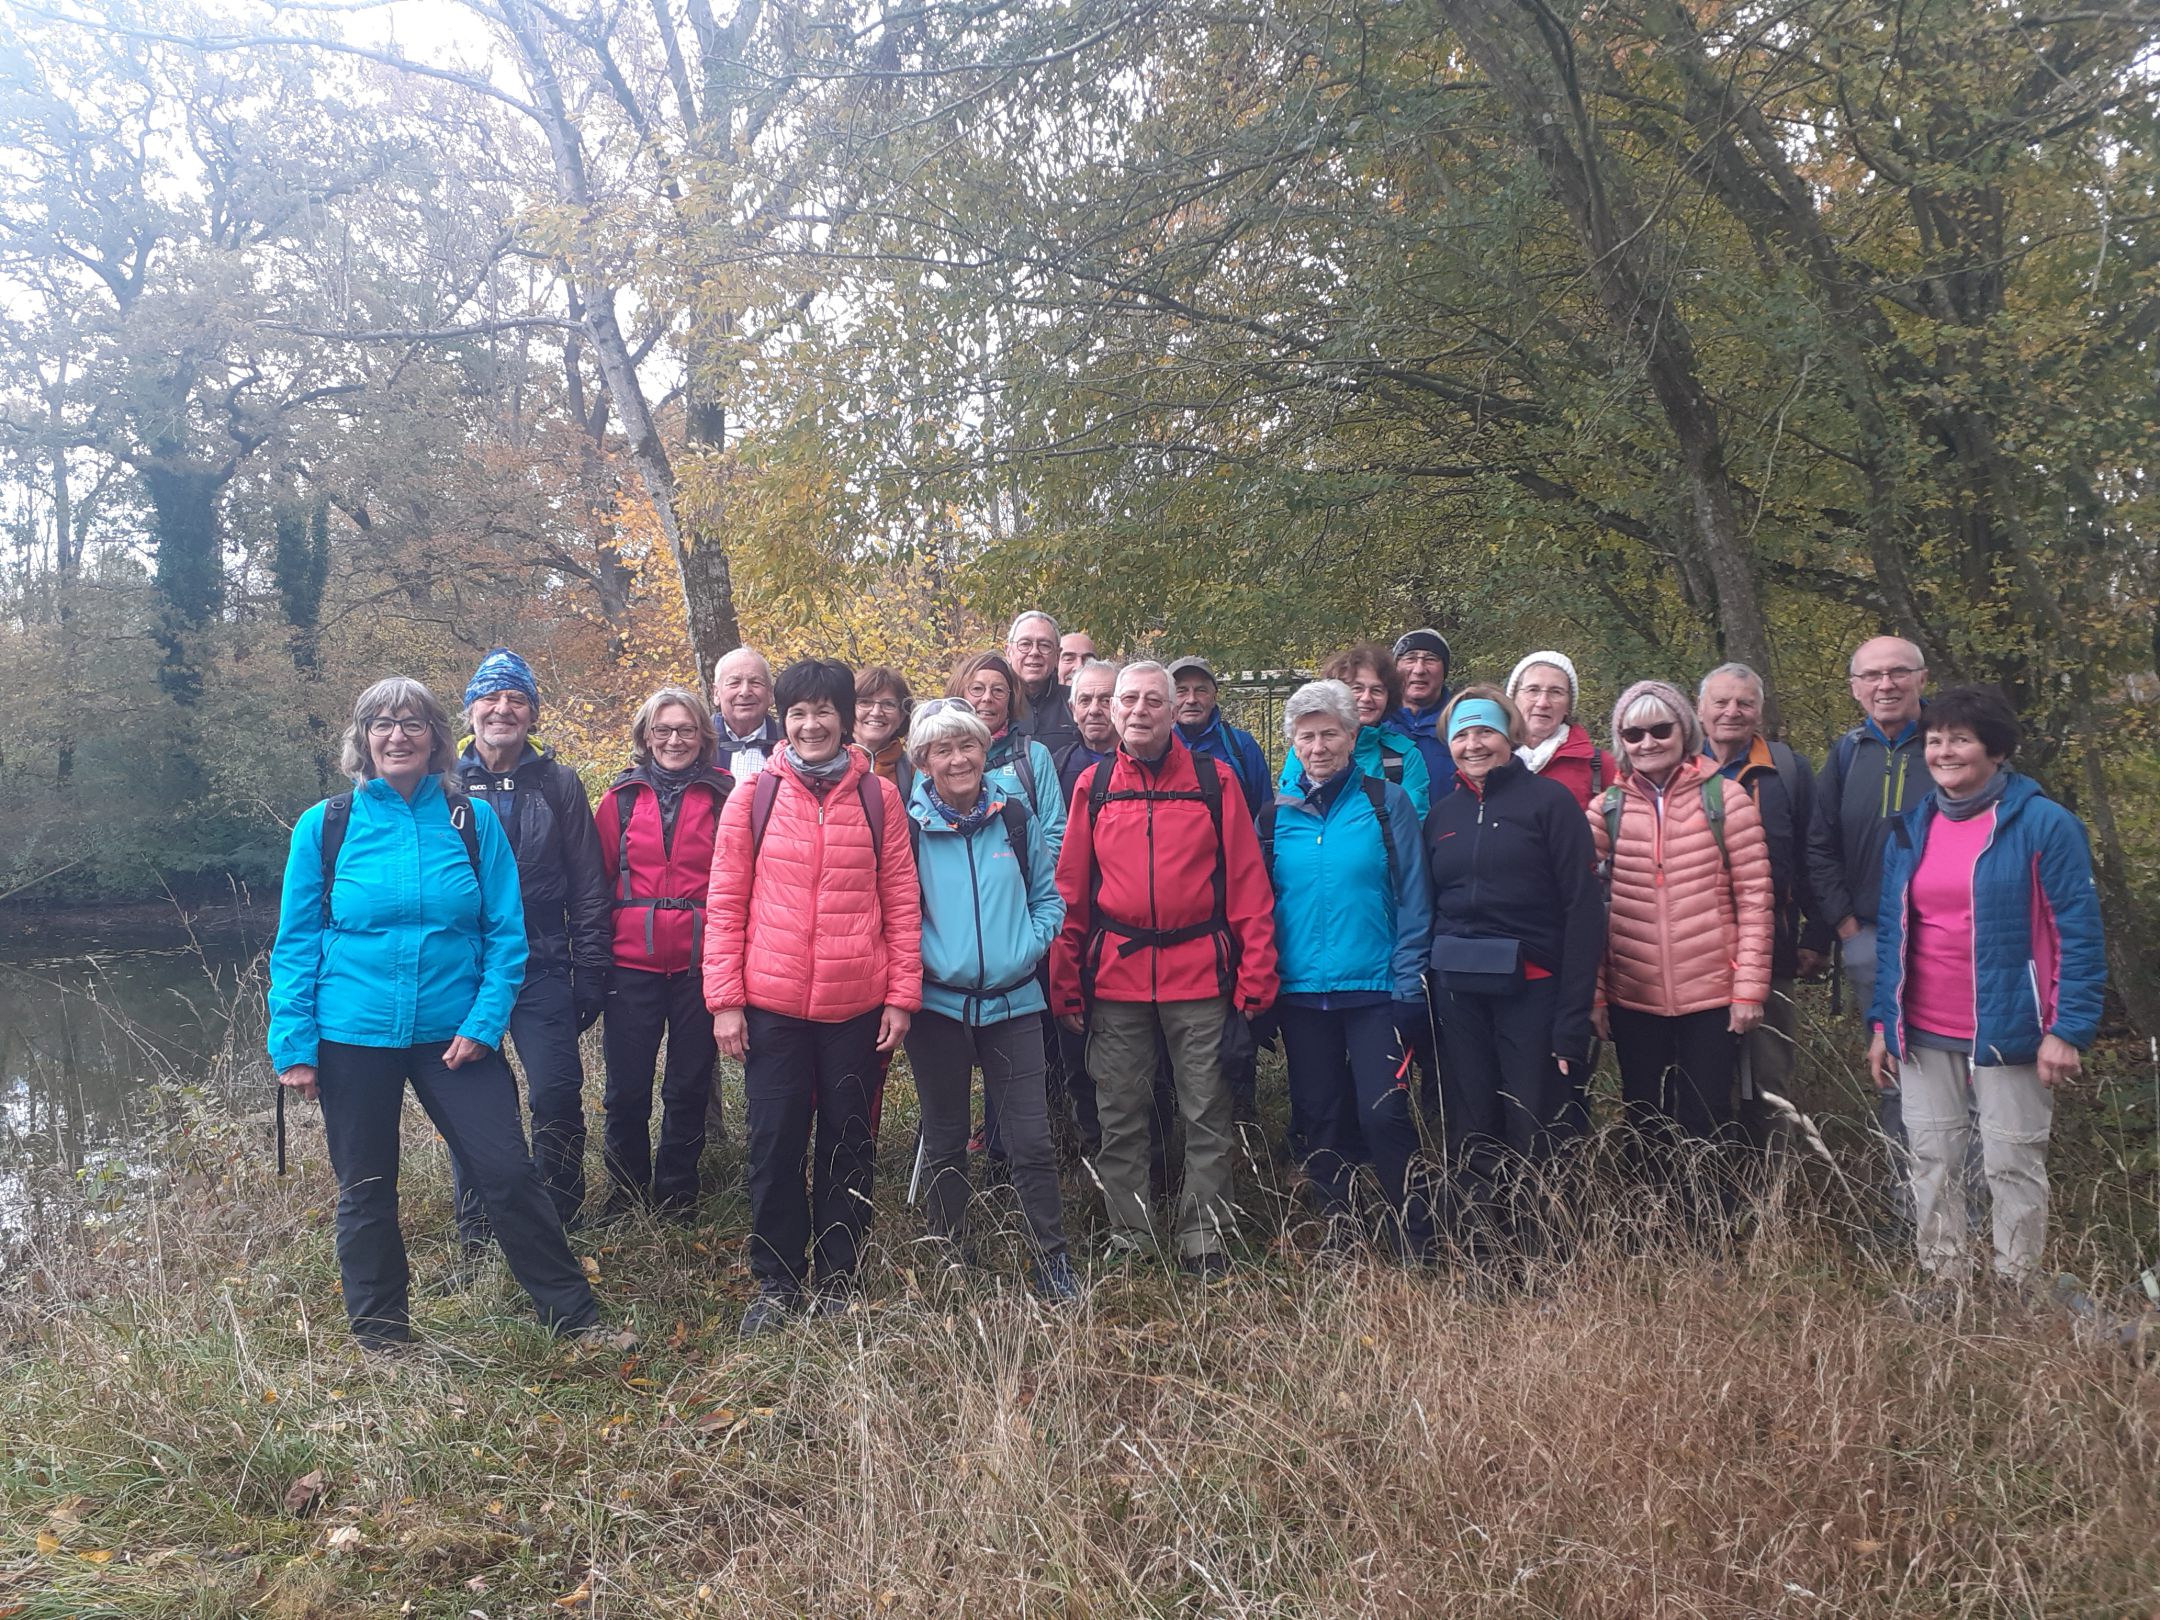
<point x="588" y="993"/>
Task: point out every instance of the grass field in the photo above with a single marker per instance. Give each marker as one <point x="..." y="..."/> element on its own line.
<point x="1648" y="1429"/>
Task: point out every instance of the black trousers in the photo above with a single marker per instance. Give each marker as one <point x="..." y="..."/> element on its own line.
<point x="544" y="1034"/>
<point x="1677" y="1077"/>
<point x="476" y="1109"/>
<point x="1509" y="1110"/>
<point x="1349" y="1106"/>
<point x="643" y="1010"/>
<point x="945" y="1053"/>
<point x="808" y="1088"/>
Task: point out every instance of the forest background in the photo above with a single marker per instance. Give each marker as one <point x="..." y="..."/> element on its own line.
<point x="342" y="340"/>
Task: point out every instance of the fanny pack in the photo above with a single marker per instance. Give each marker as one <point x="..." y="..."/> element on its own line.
<point x="1477" y="967"/>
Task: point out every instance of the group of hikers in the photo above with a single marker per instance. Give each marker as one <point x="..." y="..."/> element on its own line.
<point x="1077" y="879"/>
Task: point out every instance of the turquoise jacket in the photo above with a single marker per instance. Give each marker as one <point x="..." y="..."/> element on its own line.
<point x="985" y="933"/>
<point x="1036" y="785"/>
<point x="1339" y="927"/>
<point x="418" y="950"/>
<point x="1385" y="751"/>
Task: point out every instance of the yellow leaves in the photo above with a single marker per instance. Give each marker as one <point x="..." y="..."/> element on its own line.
<point x="577" y="1599"/>
<point x="47" y="1543"/>
<point x="269" y="1397"/>
<point x="592" y="1268"/>
<point x="96" y="1555"/>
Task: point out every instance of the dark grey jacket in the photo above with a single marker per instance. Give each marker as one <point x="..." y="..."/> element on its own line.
<point x="548" y="820"/>
<point x="1049" y="720"/>
<point x="1865" y="782"/>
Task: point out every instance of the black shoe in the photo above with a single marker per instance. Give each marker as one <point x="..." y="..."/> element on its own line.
<point x="1210" y="1267"/>
<point x="831" y="1303"/>
<point x="768" y="1313"/>
<point x="1055" y="1283"/>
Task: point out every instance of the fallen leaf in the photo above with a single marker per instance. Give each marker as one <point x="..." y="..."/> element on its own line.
<point x="592" y="1268"/>
<point x="66" y="1513"/>
<point x="680" y="1337"/>
<point x="719" y="1418"/>
<point x="344" y="1539"/>
<point x="96" y="1555"/>
<point x="270" y="1397"/>
<point x="495" y="1507"/>
<point x="304" y="1494"/>
<point x="1867" y="1546"/>
<point x="577" y="1599"/>
<point x="47" y="1543"/>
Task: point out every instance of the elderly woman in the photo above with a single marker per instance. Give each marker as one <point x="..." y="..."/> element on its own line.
<point x="1383" y="749"/>
<point x="657" y="825"/>
<point x="1687" y="963"/>
<point x="1989" y="973"/>
<point x="1554" y="743"/>
<point x="813" y="967"/>
<point x="883" y="705"/>
<point x="1518" y="931"/>
<point x="1022" y="764"/>
<point x="990" y="912"/>
<point x="1352" y="917"/>
<point x="400" y="946"/>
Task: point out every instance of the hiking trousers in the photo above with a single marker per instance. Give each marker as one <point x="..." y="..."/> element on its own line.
<point x="1943" y="1090"/>
<point x="945" y="1053"/>
<point x="544" y="1034"/>
<point x="643" y="1010"/>
<point x="1350" y="1106"/>
<point x="1122" y="1037"/>
<point x="807" y="1088"/>
<point x="475" y="1107"/>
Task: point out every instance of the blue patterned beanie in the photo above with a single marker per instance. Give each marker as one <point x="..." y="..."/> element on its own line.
<point x="503" y="671"/>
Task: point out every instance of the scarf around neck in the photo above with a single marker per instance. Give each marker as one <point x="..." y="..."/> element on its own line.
<point x="1973" y="803"/>
<point x="1541" y="756"/>
<point x="964" y="824"/>
<point x="822" y="778"/>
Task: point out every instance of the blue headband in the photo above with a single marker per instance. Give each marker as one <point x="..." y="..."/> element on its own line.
<point x="503" y="671"/>
<point x="1477" y="712"/>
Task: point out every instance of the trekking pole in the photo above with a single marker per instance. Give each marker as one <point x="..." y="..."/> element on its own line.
<point x="1837" y="977"/>
<point x="281" y="1128"/>
<point x="914" y="1186"/>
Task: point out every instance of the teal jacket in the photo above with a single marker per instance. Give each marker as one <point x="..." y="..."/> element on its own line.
<point x="418" y="949"/>
<point x="1339" y="927"/>
<point x="1385" y="751"/>
<point x="1035" y="784"/>
<point x="985" y="933"/>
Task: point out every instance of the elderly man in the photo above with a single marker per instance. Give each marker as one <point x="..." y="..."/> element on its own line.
<point x="1075" y="648"/>
<point x="1031" y="647"/>
<point x="1782" y="784"/>
<point x="1422" y="662"/>
<point x="1169" y="935"/>
<point x="1093" y="684"/>
<point x="1201" y="728"/>
<point x="569" y="925"/>
<point x="742" y="707"/>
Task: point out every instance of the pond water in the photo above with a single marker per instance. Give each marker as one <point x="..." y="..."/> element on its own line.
<point x="88" y="1036"/>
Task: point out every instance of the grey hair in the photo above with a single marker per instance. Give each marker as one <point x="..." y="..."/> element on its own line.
<point x="1097" y="666"/>
<point x="1919" y="658"/>
<point x="763" y="662"/>
<point x="943" y="722"/>
<point x="1149" y="667"/>
<point x="1737" y="672"/>
<point x="391" y="695"/>
<point x="1033" y="613"/>
<point x="1647" y="702"/>
<point x="641" y="723"/>
<point x="1320" y="697"/>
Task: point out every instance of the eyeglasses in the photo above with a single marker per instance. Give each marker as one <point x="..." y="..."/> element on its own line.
<point x="1635" y="734"/>
<point x="407" y="725"/>
<point x="1034" y="646"/>
<point x="674" y="733"/>
<point x="883" y="700"/>
<point x="1877" y="677"/>
<point x="940" y="705"/>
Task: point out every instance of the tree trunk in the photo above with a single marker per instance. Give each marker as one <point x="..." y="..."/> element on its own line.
<point x="190" y="574"/>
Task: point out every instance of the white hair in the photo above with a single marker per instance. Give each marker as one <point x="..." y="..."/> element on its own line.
<point x="1739" y="672"/>
<point x="1149" y="668"/>
<point x="1033" y="613"/>
<point x="943" y="722"/>
<point x="1320" y="697"/>
<point x="720" y="663"/>
<point x="1097" y="666"/>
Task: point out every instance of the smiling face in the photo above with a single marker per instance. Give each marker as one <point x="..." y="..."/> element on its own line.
<point x="1142" y="706"/>
<point x="1032" y="652"/>
<point x="814" y="730"/>
<point x="1195" y="698"/>
<point x="1422" y="675"/>
<point x="1959" y="761"/>
<point x="877" y="718"/>
<point x="673" y="737"/>
<point x="1731" y="712"/>
<point x="1074" y="650"/>
<point x="1477" y="749"/>
<point x="1370" y="690"/>
<point x="1544" y="699"/>
<point x="1322" y="743"/>
<point x="501" y="721"/>
<point x="956" y="766"/>
<point x="1888" y="676"/>
<point x="1654" y="740"/>
<point x="400" y="745"/>
<point x="742" y="690"/>
<point x="1091" y="708"/>
<point x="991" y="697"/>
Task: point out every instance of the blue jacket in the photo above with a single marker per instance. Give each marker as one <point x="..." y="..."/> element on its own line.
<point x="1036" y="785"/>
<point x="417" y="950"/>
<point x="1422" y="726"/>
<point x="1338" y="928"/>
<point x="1382" y="751"/>
<point x="1237" y="749"/>
<point x="2039" y="963"/>
<point x="984" y="935"/>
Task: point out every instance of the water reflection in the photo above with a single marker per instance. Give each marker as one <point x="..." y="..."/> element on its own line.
<point x="83" y="1040"/>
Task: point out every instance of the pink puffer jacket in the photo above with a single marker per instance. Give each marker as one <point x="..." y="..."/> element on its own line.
<point x="1689" y="929"/>
<point x="825" y="928"/>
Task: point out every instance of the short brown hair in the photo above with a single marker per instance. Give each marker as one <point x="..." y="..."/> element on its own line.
<point x="1366" y="655"/>
<point x="1516" y="734"/>
<point x="996" y="663"/>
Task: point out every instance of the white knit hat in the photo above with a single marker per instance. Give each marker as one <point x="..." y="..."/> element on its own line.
<point x="1559" y="661"/>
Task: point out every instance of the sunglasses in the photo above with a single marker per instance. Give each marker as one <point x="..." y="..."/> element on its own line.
<point x="1635" y="734"/>
<point x="940" y="705"/>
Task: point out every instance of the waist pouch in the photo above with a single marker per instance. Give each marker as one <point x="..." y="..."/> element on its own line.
<point x="1477" y="967"/>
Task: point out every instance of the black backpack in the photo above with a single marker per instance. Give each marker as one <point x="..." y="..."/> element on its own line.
<point x="1375" y="794"/>
<point x="1209" y="774"/>
<point x="337" y="818"/>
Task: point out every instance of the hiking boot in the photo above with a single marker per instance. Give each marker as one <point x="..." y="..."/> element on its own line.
<point x="1210" y="1267"/>
<point x="1055" y="1283"/>
<point x="768" y="1313"/>
<point x="599" y="1336"/>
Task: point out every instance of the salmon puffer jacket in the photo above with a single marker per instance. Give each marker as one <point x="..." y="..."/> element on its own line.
<point x="1690" y="929"/>
<point x="822" y="926"/>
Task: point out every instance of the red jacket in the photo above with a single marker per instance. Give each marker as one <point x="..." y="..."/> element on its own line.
<point x="665" y="938"/>
<point x="1580" y="766"/>
<point x="1154" y="859"/>
<point x="825" y="928"/>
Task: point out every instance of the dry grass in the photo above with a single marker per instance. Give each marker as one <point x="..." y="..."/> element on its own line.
<point x="1642" y="1431"/>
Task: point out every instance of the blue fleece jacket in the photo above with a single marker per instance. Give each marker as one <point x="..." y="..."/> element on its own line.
<point x="1036" y="783"/>
<point x="985" y="933"/>
<point x="417" y="950"/>
<point x="1381" y="751"/>
<point x="1237" y="749"/>
<point x="1338" y="927"/>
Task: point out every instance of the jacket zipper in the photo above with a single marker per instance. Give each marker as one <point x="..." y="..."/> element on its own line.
<point x="1154" y="914"/>
<point x="1972" y="903"/>
<point x="982" y="965"/>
